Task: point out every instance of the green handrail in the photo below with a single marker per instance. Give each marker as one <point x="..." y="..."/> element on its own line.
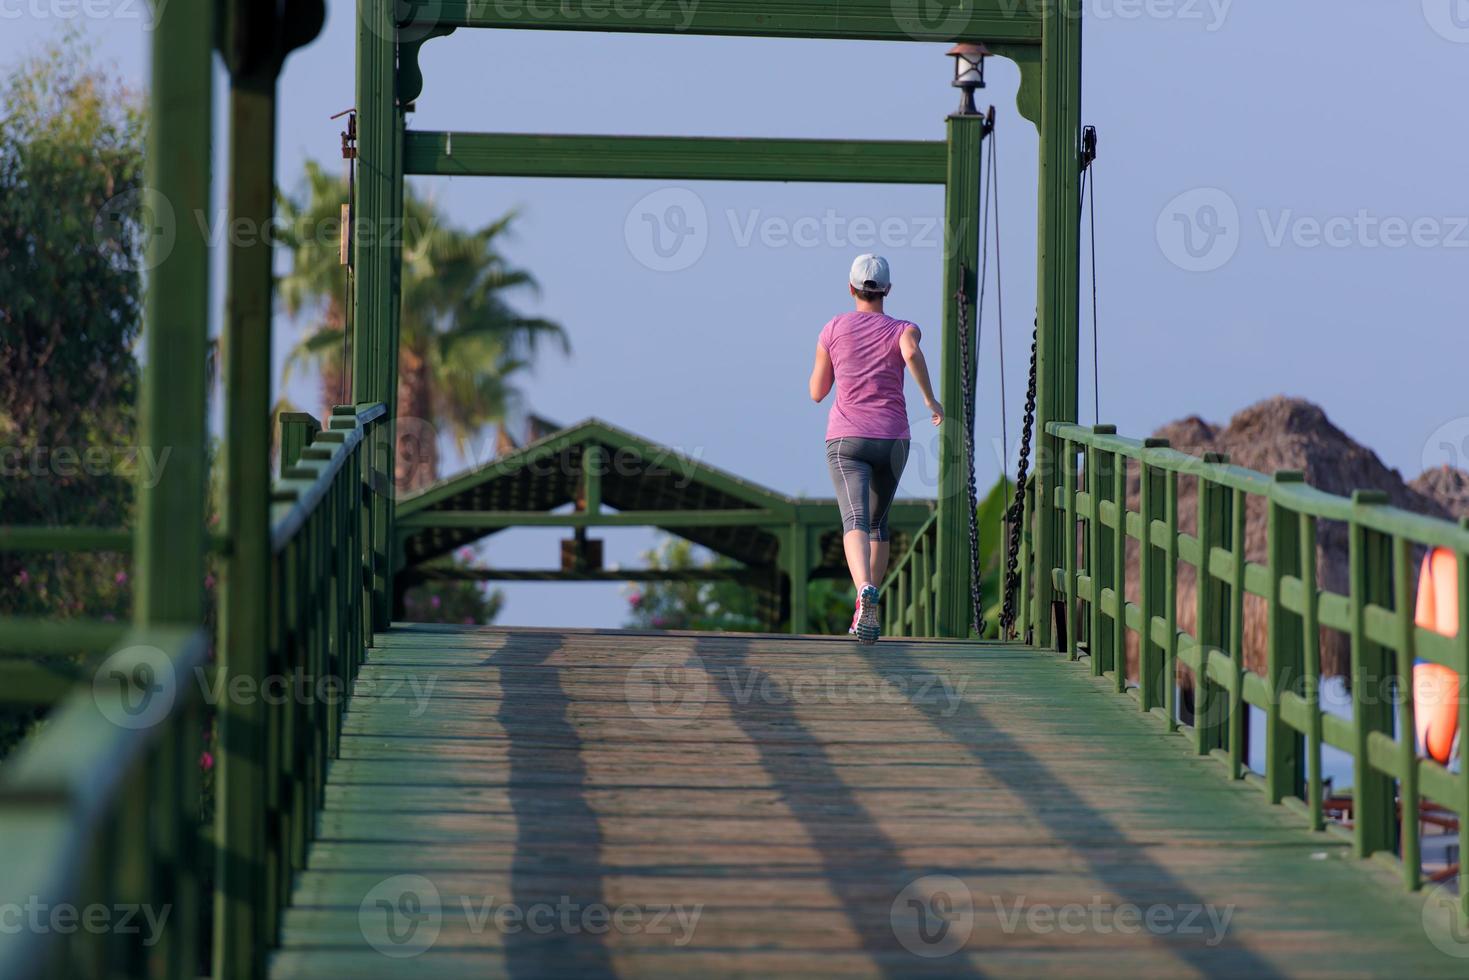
<point x="99" y="815"/>
<point x="910" y="592"/>
<point x="322" y="568"/>
<point x="100" y="810"/>
<point x="1376" y="614"/>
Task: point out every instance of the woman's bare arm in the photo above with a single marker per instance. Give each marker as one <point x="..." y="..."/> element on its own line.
<point x="918" y="367"/>
<point x="822" y="375"/>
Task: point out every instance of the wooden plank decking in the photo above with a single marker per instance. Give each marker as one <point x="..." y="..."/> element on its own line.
<point x="770" y="806"/>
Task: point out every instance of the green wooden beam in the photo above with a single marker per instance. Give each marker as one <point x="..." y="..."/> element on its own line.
<point x="28" y="635"/>
<point x="169" y="575"/>
<point x="1058" y="282"/>
<point x="66" y="539"/>
<point x="375" y="259"/>
<point x="447" y="154"/>
<point x="488" y="519"/>
<point x="454" y="574"/>
<point x="961" y="272"/>
<point x="242" y="927"/>
<point x="297" y="431"/>
<point x="868" y="20"/>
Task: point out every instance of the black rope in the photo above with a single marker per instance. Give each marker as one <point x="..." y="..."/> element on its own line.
<point x="1089" y="196"/>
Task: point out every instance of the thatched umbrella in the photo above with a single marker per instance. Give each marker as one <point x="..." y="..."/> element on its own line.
<point x="1277" y="434"/>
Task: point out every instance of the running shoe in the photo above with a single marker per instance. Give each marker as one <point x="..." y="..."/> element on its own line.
<point x="867" y="626"/>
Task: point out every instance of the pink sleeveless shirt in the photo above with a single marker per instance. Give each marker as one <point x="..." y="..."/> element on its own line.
<point x="869" y="376"/>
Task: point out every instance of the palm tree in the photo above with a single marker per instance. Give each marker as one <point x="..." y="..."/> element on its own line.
<point x="461" y="341"/>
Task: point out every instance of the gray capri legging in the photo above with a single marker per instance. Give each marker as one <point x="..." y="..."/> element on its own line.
<point x="865" y="473"/>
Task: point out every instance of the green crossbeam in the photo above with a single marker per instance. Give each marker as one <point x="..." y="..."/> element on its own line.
<point x="674" y="158"/>
<point x="868" y="20"/>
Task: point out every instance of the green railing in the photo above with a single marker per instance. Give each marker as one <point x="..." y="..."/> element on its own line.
<point x="1375" y="617"/>
<point x="910" y="592"/>
<point x="100" y="872"/>
<point x="99" y="810"/>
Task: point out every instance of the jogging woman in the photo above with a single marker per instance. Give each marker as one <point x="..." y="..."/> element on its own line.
<point x="863" y="354"/>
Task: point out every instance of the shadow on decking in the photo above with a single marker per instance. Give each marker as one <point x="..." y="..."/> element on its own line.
<point x="1069" y="819"/>
<point x="533" y="710"/>
<point x="855" y="851"/>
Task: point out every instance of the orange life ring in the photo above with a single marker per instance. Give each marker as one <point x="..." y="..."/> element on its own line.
<point x="1436" y="687"/>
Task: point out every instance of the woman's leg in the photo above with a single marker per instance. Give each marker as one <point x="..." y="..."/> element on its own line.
<point x="877" y="556"/>
<point x="887" y="469"/>
<point x="852" y="480"/>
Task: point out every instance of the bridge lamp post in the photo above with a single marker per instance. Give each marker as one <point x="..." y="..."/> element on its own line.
<point x="966" y="131"/>
<point x="968" y="74"/>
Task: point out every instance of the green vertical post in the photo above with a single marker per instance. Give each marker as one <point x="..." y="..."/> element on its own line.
<point x="1099" y="464"/>
<point x="1311" y="664"/>
<point x="375" y="345"/>
<point x="170" y="538"/>
<point x="1211" y="613"/>
<point x="1411" y="848"/>
<point x="1073" y="612"/>
<point x="591" y="474"/>
<point x="297" y="431"/>
<point x="1461" y="646"/>
<point x="1119" y="569"/>
<point x="1285" y="761"/>
<point x="1152" y="582"/>
<point x="1238" y="713"/>
<point x="1058" y="280"/>
<point x="241" y="932"/>
<point x="798" y="567"/>
<point x="170" y="535"/>
<point x="961" y="273"/>
<point x="1370" y="560"/>
<point x="1170" y="599"/>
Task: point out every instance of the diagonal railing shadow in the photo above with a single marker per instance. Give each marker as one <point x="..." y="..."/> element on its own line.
<point x="854" y="852"/>
<point x="1071" y="821"/>
<point x="560" y="830"/>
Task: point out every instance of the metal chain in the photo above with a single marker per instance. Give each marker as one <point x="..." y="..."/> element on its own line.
<point x="1017" y="508"/>
<point x="976" y="600"/>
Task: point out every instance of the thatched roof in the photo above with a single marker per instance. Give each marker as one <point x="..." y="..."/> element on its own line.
<point x="1283" y="434"/>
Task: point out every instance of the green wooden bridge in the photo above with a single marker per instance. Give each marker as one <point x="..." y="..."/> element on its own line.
<point x="394" y="800"/>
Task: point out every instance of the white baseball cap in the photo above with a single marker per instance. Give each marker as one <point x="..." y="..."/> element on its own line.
<point x="870" y="272"/>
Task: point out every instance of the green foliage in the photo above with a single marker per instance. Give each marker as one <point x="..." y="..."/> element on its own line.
<point x="690" y="605"/>
<point x="70" y="306"/>
<point x="992" y="545"/>
<point x="71" y="172"/>
<point x="462" y="340"/>
<point x="829" y="606"/>
<point x="733" y="606"/>
<point x="724" y="605"/>
<point x="465" y="602"/>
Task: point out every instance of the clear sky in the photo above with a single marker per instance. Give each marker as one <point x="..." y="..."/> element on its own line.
<point x="1283" y="208"/>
